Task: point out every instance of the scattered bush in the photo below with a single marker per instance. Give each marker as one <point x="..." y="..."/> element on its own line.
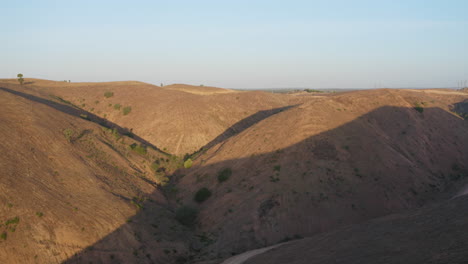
<point x="188" y="163"/>
<point x="277" y="168"/>
<point x="116" y="134"/>
<point x="186" y="215"/>
<point x="126" y="110"/>
<point x="39" y="214"/>
<point x="155" y="165"/>
<point x="3" y="236"/>
<point x="117" y="106"/>
<point x="224" y="174"/>
<point x="312" y="91"/>
<point x="202" y="194"/>
<point x="418" y="108"/>
<point x="108" y="94"/>
<point x="140" y="149"/>
<point x="68" y="133"/>
<point x="12" y="221"/>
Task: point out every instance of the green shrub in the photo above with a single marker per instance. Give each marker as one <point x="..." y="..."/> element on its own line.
<point x="108" y="94"/>
<point x="202" y="194"/>
<point x="39" y="214"/>
<point x="68" y="133"/>
<point x="140" y="149"/>
<point x="155" y="165"/>
<point x="186" y="215"/>
<point x="116" y="134"/>
<point x="126" y="110"/>
<point x="224" y="174"/>
<point x="12" y="221"/>
<point x="418" y="108"/>
<point x="188" y="163"/>
<point x="3" y="236"/>
<point x="117" y="106"/>
<point x="277" y="168"/>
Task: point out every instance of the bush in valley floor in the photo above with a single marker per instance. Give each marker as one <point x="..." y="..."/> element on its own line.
<point x="202" y="194"/>
<point x="117" y="106"/>
<point x="224" y="174"/>
<point x="186" y="215"/>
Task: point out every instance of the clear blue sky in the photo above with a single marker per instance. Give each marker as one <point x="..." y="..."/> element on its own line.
<point x="239" y="43"/>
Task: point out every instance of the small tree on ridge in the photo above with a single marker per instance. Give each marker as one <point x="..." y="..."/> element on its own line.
<point x="20" y="78"/>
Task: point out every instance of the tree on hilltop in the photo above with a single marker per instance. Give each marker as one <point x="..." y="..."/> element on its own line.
<point x="20" y="78"/>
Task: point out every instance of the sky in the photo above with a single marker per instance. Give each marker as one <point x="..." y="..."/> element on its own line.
<point x="239" y="43"/>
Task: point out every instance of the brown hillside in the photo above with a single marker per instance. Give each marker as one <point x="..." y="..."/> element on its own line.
<point x="435" y="234"/>
<point x="330" y="162"/>
<point x="204" y="90"/>
<point x="176" y="121"/>
<point x="294" y="166"/>
<point x="67" y="182"/>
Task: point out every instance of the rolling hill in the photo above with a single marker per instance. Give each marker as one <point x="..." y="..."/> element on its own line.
<point x="85" y="181"/>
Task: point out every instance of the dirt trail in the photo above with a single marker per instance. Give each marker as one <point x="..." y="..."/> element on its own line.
<point x="241" y="258"/>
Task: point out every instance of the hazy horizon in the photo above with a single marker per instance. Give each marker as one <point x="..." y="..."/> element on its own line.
<point x="242" y="44"/>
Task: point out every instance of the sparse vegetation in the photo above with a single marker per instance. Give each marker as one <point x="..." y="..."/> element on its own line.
<point x="274" y="179"/>
<point x="224" y="174"/>
<point x="108" y="94"/>
<point x="202" y="195"/>
<point x="126" y="110"/>
<point x="186" y="215"/>
<point x="12" y="221"/>
<point x="418" y="107"/>
<point x="140" y="149"/>
<point x="68" y="133"/>
<point x="3" y="236"/>
<point x="188" y="163"/>
<point x="312" y="91"/>
<point x="277" y="168"/>
<point x="39" y="214"/>
<point x="117" y="106"/>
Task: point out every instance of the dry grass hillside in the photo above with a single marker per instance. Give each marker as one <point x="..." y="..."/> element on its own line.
<point x="329" y="162"/>
<point x="85" y="181"/>
<point x="68" y="182"/>
<point x="179" y="119"/>
<point x="205" y="90"/>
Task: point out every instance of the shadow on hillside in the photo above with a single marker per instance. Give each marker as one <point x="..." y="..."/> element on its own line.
<point x="414" y="142"/>
<point x="244" y="124"/>
<point x="405" y="159"/>
<point x="461" y="108"/>
<point x="68" y="108"/>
